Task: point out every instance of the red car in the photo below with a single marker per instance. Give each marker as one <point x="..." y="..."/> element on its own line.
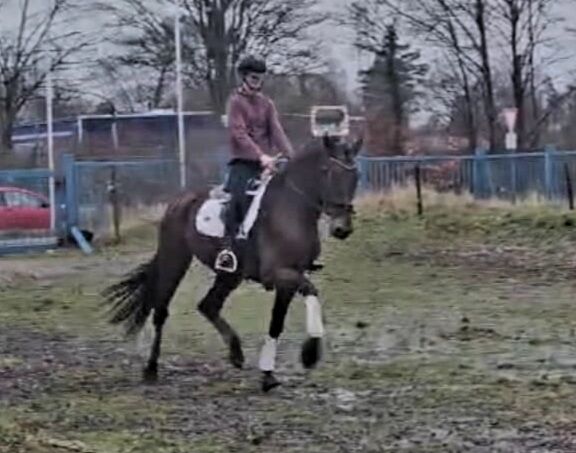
<point x="22" y="209"/>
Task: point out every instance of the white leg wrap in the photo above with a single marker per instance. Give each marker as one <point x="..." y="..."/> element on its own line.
<point x="145" y="338"/>
<point x="314" y="325"/>
<point x="268" y="354"/>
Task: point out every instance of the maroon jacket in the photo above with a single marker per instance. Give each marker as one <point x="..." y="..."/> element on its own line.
<point x="254" y="127"/>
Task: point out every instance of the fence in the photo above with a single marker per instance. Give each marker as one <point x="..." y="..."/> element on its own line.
<point x="100" y="192"/>
<point x="506" y="176"/>
<point x="94" y="195"/>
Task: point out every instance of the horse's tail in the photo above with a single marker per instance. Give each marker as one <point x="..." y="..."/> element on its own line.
<point x="132" y="299"/>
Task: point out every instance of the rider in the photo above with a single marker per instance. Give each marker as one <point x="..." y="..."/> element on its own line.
<point x="255" y="134"/>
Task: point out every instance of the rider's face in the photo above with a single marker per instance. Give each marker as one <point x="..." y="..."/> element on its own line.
<point x="254" y="81"/>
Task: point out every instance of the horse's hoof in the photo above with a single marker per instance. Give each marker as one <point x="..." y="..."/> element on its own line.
<point x="236" y="354"/>
<point x="311" y="352"/>
<point x="150" y="375"/>
<point x="269" y="382"/>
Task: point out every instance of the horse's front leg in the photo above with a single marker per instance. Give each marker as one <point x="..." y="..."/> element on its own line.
<point x="312" y="347"/>
<point x="288" y="283"/>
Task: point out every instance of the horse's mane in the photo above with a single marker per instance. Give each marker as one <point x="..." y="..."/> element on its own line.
<point x="313" y="146"/>
<point x="308" y="153"/>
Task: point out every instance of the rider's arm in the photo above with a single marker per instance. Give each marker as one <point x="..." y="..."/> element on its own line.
<point x="239" y="131"/>
<point x="278" y="136"/>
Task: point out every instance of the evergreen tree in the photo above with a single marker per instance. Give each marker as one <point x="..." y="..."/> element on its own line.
<point x="391" y="89"/>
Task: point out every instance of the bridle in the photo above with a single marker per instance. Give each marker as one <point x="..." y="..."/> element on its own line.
<point x="325" y="205"/>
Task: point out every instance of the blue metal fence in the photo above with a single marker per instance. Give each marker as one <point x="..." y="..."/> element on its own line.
<point x="83" y="189"/>
<point x="89" y="191"/>
<point x="507" y="176"/>
<point x="137" y="184"/>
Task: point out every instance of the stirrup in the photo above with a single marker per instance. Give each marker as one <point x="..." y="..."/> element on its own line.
<point x="226" y="261"/>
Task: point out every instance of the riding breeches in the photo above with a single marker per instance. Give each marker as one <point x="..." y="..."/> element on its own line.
<point x="240" y="176"/>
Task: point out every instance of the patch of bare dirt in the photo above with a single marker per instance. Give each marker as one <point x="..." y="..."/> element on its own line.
<point x="15" y="270"/>
<point x="210" y="398"/>
<point x="531" y="264"/>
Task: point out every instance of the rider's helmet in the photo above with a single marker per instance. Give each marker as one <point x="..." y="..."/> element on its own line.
<point x="251" y="64"/>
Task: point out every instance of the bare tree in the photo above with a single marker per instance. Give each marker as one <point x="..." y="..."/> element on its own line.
<point x="131" y="88"/>
<point x="483" y="40"/>
<point x="37" y="43"/>
<point x="217" y="33"/>
<point x="144" y="37"/>
<point x="447" y="26"/>
<point x="479" y="11"/>
<point x="524" y="24"/>
<point x="456" y="100"/>
<point x="459" y="27"/>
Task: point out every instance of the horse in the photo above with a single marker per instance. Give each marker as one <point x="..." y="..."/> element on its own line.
<point x="278" y="253"/>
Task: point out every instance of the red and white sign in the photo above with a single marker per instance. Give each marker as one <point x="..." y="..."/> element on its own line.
<point x="510" y="116"/>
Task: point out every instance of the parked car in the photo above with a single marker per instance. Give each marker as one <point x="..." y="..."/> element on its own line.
<point x="22" y="209"/>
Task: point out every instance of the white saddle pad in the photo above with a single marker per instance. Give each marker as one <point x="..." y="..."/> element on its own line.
<point x="210" y="221"/>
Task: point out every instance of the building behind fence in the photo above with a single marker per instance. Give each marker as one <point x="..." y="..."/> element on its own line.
<point x="152" y="134"/>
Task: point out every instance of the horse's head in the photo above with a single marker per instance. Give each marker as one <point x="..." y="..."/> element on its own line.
<point x="338" y="184"/>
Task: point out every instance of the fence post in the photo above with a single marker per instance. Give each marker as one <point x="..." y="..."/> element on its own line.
<point x="548" y="155"/>
<point x="479" y="172"/>
<point x="71" y="196"/>
<point x="418" y="178"/>
<point x="513" y="175"/>
<point x="363" y="174"/>
<point x="115" y="203"/>
<point x="60" y="212"/>
<point x="569" y="187"/>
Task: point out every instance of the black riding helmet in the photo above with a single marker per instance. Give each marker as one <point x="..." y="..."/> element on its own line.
<point x="251" y="64"/>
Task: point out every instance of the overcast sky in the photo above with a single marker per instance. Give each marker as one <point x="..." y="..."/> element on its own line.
<point x="339" y="40"/>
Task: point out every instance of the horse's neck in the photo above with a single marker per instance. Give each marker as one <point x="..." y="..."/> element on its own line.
<point x="297" y="188"/>
<point x="305" y="173"/>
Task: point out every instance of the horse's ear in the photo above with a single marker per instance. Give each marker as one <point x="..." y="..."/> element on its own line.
<point x="357" y="146"/>
<point x="328" y="142"/>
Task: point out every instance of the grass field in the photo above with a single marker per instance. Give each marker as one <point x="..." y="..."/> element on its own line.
<point x="450" y="333"/>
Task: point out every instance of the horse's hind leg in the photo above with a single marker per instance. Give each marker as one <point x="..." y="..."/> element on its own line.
<point x="210" y="307"/>
<point x="173" y="259"/>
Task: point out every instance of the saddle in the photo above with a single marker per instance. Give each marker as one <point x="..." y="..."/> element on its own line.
<point x="210" y="217"/>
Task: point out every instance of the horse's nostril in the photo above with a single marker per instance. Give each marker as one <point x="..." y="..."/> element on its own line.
<point x="341" y="232"/>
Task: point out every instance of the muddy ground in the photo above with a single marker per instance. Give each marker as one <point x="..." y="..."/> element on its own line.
<point x="441" y="337"/>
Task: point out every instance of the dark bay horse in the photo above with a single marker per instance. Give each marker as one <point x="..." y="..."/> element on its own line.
<point x="279" y="252"/>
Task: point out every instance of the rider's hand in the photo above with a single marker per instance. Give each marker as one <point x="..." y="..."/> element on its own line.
<point x="267" y="161"/>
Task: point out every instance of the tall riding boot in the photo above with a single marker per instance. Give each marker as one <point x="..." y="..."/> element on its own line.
<point x="227" y="261"/>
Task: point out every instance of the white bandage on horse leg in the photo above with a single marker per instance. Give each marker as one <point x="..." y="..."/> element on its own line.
<point x="145" y="338"/>
<point x="268" y="354"/>
<point x="314" y="324"/>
